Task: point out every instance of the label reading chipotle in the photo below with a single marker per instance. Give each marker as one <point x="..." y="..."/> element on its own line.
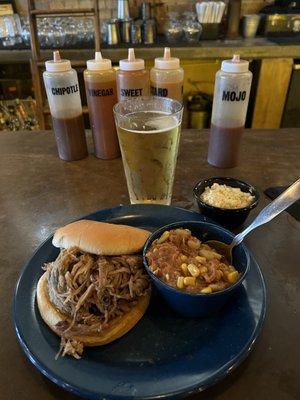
<point x="61" y="91"/>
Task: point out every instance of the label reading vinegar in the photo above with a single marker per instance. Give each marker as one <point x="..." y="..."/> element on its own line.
<point x="100" y="92"/>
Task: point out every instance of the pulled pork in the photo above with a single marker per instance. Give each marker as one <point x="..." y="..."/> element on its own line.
<point x="92" y="290"/>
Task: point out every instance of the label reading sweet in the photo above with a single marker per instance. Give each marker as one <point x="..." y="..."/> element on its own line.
<point x="131" y="92"/>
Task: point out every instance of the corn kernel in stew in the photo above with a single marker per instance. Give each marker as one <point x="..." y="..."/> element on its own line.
<point x="207" y="290"/>
<point x="163" y="237"/>
<point x="194" y="244"/>
<point x="203" y="270"/>
<point x="180" y="283"/>
<point x="200" y="259"/>
<point x="189" y="280"/>
<point x="184" y="268"/>
<point x="193" y="270"/>
<point x="232" y="276"/>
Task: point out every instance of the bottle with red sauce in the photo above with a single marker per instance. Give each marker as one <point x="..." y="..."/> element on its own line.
<point x="132" y="77"/>
<point x="101" y="94"/>
<point x="231" y="97"/>
<point x="62" y="88"/>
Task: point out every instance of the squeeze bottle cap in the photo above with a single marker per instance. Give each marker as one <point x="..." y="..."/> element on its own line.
<point x="131" y="63"/>
<point x="235" y="65"/>
<point x="99" y="63"/>
<point x="167" y="62"/>
<point x="57" y="64"/>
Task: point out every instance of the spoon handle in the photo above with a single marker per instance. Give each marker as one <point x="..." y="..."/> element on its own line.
<point x="288" y="197"/>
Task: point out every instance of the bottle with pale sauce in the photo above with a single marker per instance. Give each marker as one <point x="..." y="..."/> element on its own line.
<point x="166" y="77"/>
<point x="101" y="94"/>
<point x="61" y="83"/>
<point x="231" y="97"/>
<point x="132" y="77"/>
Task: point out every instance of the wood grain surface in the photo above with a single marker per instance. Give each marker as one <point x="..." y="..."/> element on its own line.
<point x="273" y="84"/>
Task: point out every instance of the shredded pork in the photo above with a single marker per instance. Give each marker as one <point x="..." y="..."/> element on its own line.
<point x="92" y="291"/>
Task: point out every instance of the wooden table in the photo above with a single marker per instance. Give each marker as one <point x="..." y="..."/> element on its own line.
<point x="38" y="193"/>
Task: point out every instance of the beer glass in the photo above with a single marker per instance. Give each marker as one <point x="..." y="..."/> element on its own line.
<point x="149" y="131"/>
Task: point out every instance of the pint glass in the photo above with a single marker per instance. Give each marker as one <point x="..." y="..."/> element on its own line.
<point x="149" y="131"/>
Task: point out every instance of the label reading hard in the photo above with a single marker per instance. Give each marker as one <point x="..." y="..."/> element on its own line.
<point x="171" y="90"/>
<point x="161" y="92"/>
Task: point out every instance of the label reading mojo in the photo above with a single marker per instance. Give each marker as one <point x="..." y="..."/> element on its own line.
<point x="233" y="96"/>
<point x="60" y="91"/>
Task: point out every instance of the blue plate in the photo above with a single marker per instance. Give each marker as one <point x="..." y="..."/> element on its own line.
<point x="164" y="355"/>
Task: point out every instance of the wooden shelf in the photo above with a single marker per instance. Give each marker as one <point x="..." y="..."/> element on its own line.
<point x="69" y="12"/>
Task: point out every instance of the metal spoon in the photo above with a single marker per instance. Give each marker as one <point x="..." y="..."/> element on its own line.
<point x="287" y="198"/>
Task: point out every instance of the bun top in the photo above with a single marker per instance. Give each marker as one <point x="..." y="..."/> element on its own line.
<point x="101" y="238"/>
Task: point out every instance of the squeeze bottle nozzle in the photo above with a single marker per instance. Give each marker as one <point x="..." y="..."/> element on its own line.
<point x="56" y="56"/>
<point x="57" y="64"/>
<point x="236" y="58"/>
<point x="131" y="63"/>
<point x="167" y="53"/>
<point x="131" y="55"/>
<point x="99" y="63"/>
<point x="167" y="62"/>
<point x="98" y="56"/>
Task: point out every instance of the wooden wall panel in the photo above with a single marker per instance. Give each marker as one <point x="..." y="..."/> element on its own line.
<point x="272" y="89"/>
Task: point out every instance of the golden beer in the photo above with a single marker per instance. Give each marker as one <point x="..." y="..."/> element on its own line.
<point x="149" y="145"/>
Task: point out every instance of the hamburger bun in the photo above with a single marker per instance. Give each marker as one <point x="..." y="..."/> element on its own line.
<point x="101" y="238"/>
<point x="114" y="330"/>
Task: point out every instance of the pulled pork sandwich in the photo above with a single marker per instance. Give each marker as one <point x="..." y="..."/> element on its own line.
<point x="96" y="290"/>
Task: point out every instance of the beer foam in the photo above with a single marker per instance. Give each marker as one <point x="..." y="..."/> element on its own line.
<point x="163" y="122"/>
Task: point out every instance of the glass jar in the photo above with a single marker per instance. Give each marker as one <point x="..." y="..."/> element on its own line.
<point x="173" y="28"/>
<point x="191" y="28"/>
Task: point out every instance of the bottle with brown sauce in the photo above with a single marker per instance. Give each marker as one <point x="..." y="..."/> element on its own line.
<point x="132" y="77"/>
<point x="101" y="94"/>
<point x="61" y="83"/>
<point x="166" y="77"/>
<point x="231" y="97"/>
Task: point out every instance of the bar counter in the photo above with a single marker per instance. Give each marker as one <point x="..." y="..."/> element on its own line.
<point x="39" y="193"/>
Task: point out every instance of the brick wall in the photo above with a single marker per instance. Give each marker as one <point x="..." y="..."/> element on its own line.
<point x="108" y="8"/>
